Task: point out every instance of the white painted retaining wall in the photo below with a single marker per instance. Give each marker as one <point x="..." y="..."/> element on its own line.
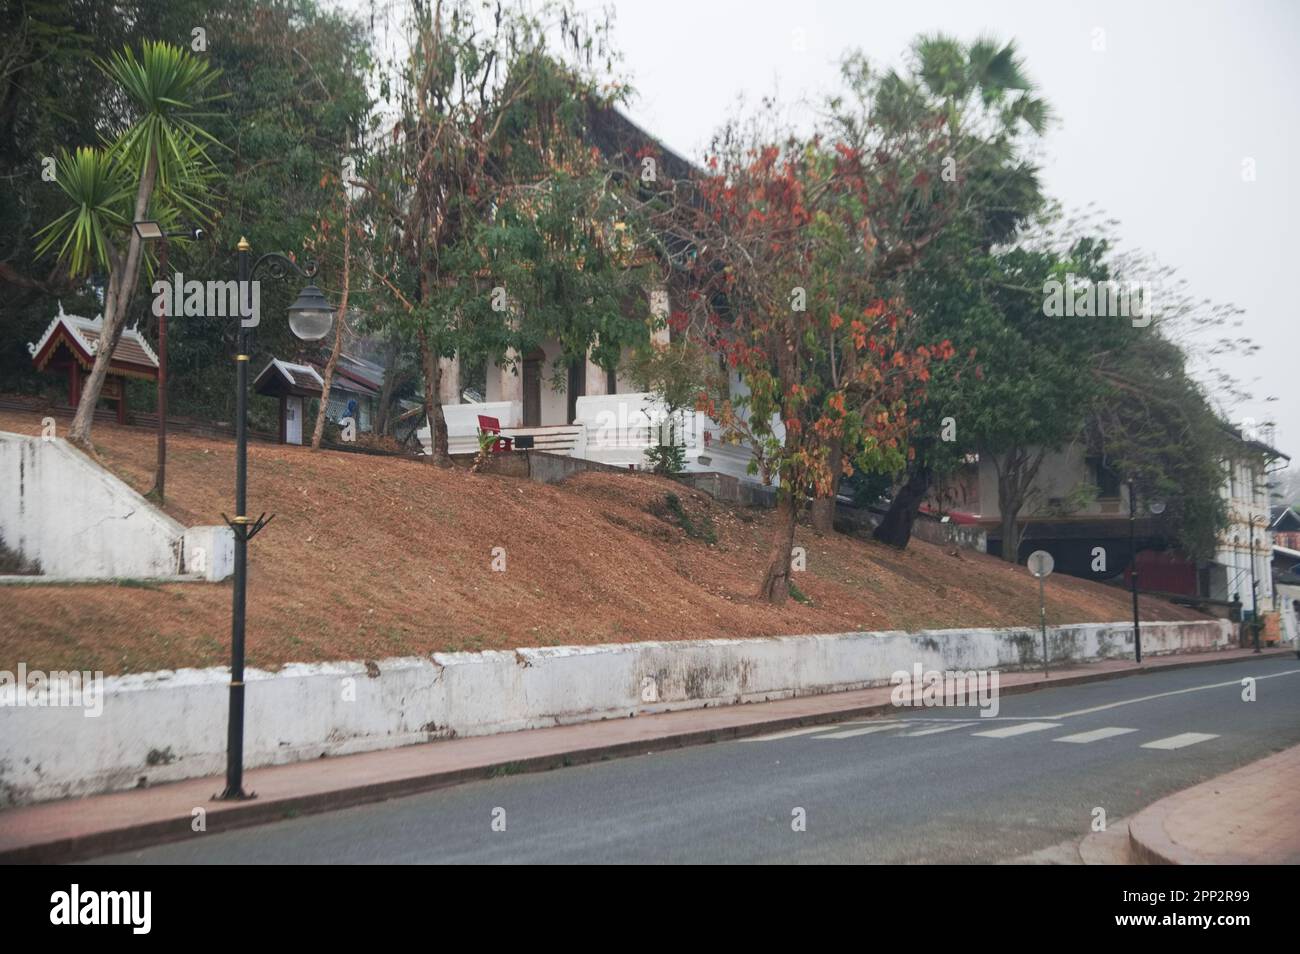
<point x="172" y="725"/>
<point x="62" y="510"/>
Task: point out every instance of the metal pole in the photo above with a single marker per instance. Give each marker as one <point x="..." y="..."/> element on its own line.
<point x="1042" y="621"/>
<point x="1133" y="568"/>
<point x="1254" y="587"/>
<point x="160" y="477"/>
<point x="235" y="729"/>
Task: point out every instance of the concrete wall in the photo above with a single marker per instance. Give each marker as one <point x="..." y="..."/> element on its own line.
<point x="171" y="725"/>
<point x="1063" y="472"/>
<point x="966" y="536"/>
<point x="62" y="510"/>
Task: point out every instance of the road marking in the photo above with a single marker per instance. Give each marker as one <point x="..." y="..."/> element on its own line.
<point x="1010" y="730"/>
<point x="865" y="730"/>
<point x="791" y="733"/>
<point x="1094" y="735"/>
<point x="1175" y="692"/>
<point x="940" y="728"/>
<point x="1180" y="741"/>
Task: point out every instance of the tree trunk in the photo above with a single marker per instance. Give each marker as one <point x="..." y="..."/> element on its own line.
<point x="339" y="325"/>
<point x="776" y="582"/>
<point x="433" y="404"/>
<point x="1016" y="474"/>
<point x="1011" y="536"/>
<point x="121" y="286"/>
<point x="327" y="380"/>
<point x="896" y="528"/>
<point x="823" y="508"/>
<point x="385" y="424"/>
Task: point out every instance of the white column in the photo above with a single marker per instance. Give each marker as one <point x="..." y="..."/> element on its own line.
<point x="597" y="380"/>
<point x="659" y="312"/>
<point x="449" y="392"/>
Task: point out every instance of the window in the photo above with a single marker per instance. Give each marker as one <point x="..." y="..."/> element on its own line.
<point x="1104" y="478"/>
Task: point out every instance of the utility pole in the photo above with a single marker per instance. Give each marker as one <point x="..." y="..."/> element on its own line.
<point x="1133" y="567"/>
<point x="160" y="474"/>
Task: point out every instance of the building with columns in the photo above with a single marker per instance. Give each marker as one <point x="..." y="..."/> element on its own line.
<point x="585" y="410"/>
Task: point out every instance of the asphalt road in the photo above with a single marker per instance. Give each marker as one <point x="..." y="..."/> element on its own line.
<point x="922" y="787"/>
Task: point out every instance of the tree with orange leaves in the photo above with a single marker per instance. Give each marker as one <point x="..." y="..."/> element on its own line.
<point x="788" y="254"/>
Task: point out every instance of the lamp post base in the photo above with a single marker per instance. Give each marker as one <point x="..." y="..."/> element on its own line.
<point x="236" y="795"/>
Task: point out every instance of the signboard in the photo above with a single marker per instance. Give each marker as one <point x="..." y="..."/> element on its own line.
<point x="1041" y="564"/>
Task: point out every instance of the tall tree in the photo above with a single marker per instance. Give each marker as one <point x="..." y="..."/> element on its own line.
<point x="788" y="242"/>
<point x="972" y="180"/>
<point x="489" y="161"/>
<point x="159" y="158"/>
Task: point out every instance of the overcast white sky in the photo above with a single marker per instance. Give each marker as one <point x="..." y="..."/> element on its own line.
<point x="1154" y="129"/>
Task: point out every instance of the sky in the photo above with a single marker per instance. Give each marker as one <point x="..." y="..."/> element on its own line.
<point x="1163" y="109"/>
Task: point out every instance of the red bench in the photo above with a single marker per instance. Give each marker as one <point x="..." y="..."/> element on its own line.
<point x="490" y="425"/>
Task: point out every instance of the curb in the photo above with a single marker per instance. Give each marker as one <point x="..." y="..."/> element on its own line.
<point x="1146" y="829"/>
<point x="231" y="816"/>
<point x="1151" y="843"/>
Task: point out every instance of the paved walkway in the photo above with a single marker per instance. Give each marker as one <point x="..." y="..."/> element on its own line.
<point x="84" y="827"/>
<point x="1249" y="816"/>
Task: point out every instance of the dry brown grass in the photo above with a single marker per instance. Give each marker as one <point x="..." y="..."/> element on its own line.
<point x="371" y="557"/>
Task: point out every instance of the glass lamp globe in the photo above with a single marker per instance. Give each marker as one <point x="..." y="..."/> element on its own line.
<point x="312" y="316"/>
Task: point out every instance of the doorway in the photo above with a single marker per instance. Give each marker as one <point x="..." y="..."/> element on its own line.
<point x="533" y="388"/>
<point x="293" y="420"/>
<point x="577" y="387"/>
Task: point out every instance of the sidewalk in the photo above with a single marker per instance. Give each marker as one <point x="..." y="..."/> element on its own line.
<point x="1250" y="816"/>
<point x="80" y="828"/>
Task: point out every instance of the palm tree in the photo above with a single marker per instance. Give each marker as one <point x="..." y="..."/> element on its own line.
<point x="163" y="154"/>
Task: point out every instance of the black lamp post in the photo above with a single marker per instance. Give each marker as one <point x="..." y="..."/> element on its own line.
<point x="1133" y="567"/>
<point x="310" y="319"/>
<point x="1255" y="620"/>
<point x="1157" y="507"/>
<point x="152" y="231"/>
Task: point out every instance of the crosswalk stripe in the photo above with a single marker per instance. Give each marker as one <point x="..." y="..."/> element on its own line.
<point x="1095" y="735"/>
<point x="865" y="730"/>
<point x="791" y="733"/>
<point x="1021" y="729"/>
<point x="1180" y="741"/>
<point x="939" y="728"/>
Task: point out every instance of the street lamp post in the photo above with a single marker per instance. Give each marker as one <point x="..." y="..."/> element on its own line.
<point x="1254" y="586"/>
<point x="1133" y="567"/>
<point x="152" y="231"/>
<point x="1157" y="507"/>
<point x="310" y="319"/>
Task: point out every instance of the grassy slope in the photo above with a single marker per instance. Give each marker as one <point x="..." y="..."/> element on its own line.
<point x="371" y="557"/>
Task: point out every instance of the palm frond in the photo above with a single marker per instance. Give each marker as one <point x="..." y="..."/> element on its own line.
<point x="99" y="190"/>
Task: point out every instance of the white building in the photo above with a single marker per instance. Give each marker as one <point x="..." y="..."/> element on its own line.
<point x="594" y="414"/>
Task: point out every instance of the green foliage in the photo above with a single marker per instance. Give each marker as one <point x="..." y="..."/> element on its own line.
<point x="799" y="596"/>
<point x="160" y="156"/>
<point x="500" y="223"/>
<point x="671" y="509"/>
<point x="288" y="102"/>
<point x="678" y="373"/>
<point x="666" y="460"/>
<point x="166" y="86"/>
<point x="99" y="193"/>
<point x="1155" y="425"/>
